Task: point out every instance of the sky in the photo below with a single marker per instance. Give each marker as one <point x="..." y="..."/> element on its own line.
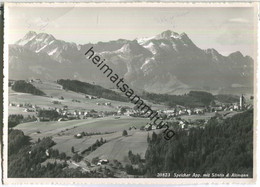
<point x="226" y="29"/>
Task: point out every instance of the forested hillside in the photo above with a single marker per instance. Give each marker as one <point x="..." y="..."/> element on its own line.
<point x="86" y="88"/>
<point x="224" y="146"/>
<point x="25" y="158"/>
<point x="22" y="86"/>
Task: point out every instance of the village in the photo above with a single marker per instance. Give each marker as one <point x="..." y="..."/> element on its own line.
<point x="181" y="115"/>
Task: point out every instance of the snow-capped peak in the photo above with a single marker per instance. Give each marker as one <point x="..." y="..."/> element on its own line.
<point x="141" y="41"/>
<point x="168" y="34"/>
<point x="33" y="36"/>
<point x="28" y="37"/>
<point x="30" y="34"/>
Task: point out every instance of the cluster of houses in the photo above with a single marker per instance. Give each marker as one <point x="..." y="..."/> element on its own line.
<point x="27" y="106"/>
<point x="35" y="80"/>
<point x="64" y="112"/>
<point x="77" y="114"/>
<point x="172" y="113"/>
<point x="181" y="110"/>
<point x="178" y="122"/>
<point x="83" y="114"/>
<point x="91" y="97"/>
<point x="127" y="111"/>
<point x="104" y="104"/>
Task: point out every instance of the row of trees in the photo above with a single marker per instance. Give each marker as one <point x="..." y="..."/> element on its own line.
<point x="94" y="146"/>
<point x="137" y="166"/>
<point x="15" y="119"/>
<point x="49" y="114"/>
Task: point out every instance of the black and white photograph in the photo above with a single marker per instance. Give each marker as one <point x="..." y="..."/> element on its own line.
<point x="130" y="92"/>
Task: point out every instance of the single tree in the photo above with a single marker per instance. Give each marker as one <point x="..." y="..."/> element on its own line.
<point x="124" y="133"/>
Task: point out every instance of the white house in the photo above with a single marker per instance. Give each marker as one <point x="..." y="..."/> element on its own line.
<point x="189" y="112"/>
<point x="47" y="152"/>
<point x="169" y="111"/>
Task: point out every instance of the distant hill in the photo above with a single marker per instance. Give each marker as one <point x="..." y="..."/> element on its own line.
<point x="95" y="90"/>
<point x="227" y="98"/>
<point x="192" y="99"/>
<point x="167" y="63"/>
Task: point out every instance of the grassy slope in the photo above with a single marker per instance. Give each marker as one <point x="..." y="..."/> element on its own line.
<point x="119" y="147"/>
<point x="116" y="146"/>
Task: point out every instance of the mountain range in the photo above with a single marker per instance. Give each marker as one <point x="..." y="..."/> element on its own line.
<point x="167" y="63"/>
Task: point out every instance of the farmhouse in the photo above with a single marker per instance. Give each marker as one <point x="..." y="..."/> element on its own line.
<point x="62" y="119"/>
<point x="153" y="127"/>
<point x="81" y="112"/>
<point x="28" y="110"/>
<point x="189" y="112"/>
<point x="19" y="105"/>
<point x="71" y="116"/>
<point x="102" y="162"/>
<point x="47" y="152"/>
<point x="183" y="124"/>
<point x="75" y="113"/>
<point x="150" y="126"/>
<point x="108" y="104"/>
<point x="129" y="113"/>
<point x="199" y="110"/>
<point x="79" y="135"/>
<point x="12" y="104"/>
<point x="11" y="82"/>
<point x="58" y="110"/>
<point x="90" y="97"/>
<point x="169" y="112"/>
<point x="236" y="107"/>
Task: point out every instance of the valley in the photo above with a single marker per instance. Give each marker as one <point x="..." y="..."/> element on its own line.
<point x="92" y="127"/>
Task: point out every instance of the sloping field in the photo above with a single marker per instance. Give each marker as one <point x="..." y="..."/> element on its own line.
<point x="64" y="143"/>
<point x="117" y="147"/>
